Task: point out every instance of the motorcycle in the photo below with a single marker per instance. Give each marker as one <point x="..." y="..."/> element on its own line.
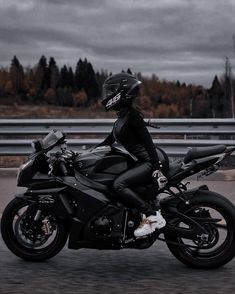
<point x="69" y="196"/>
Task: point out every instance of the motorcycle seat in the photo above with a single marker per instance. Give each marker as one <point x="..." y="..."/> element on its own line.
<point x="199" y="152"/>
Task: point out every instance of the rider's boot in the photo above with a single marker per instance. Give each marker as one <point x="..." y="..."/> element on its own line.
<point x="149" y="224"/>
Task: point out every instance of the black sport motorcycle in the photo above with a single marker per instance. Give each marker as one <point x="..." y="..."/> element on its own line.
<point x="69" y="196"/>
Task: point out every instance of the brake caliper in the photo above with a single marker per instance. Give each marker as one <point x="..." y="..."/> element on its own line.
<point x="46" y="226"/>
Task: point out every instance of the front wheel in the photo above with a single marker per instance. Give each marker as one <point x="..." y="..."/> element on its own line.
<point x="217" y="246"/>
<point x="30" y="233"/>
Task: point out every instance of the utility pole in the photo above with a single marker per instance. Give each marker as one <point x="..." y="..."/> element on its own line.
<point x="227" y="102"/>
<point x="231" y="79"/>
<point x="229" y="85"/>
<point x="231" y="89"/>
<point x="234" y="44"/>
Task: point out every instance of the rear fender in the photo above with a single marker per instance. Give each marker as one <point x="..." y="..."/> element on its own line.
<point x="172" y="208"/>
<point x="184" y="197"/>
<point x="189" y="194"/>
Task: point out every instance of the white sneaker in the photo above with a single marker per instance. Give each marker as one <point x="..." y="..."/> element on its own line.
<point x="157" y="221"/>
<point x="150" y="224"/>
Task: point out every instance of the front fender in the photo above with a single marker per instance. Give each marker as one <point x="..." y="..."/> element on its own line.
<point x="26" y="197"/>
<point x="56" y="203"/>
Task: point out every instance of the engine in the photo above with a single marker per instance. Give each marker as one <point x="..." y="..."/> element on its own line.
<point x="102" y="226"/>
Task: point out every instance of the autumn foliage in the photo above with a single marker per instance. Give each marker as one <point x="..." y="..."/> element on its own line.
<point x="47" y="84"/>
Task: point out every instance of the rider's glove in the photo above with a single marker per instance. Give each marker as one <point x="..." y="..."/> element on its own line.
<point x="159" y="179"/>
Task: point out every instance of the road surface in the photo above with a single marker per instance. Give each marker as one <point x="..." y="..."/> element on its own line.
<point x="149" y="271"/>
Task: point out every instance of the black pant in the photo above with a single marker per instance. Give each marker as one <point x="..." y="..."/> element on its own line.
<point x="137" y="176"/>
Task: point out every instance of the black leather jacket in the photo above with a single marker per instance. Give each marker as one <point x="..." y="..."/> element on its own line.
<point x="131" y="132"/>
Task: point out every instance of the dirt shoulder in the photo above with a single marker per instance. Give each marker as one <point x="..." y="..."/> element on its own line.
<point x="50" y="111"/>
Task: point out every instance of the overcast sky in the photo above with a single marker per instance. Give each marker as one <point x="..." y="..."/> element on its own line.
<point x="184" y="40"/>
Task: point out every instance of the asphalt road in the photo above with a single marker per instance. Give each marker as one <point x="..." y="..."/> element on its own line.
<point x="153" y="270"/>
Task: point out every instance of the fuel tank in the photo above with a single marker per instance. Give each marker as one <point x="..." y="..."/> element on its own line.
<point x="104" y="164"/>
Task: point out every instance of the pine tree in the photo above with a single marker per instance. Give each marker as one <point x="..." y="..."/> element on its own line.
<point x="63" y="76"/>
<point x="91" y="85"/>
<point x="129" y="71"/>
<point x="4" y="78"/>
<point x="216" y="98"/>
<point x="226" y="103"/>
<point x="17" y="75"/>
<point x="70" y="78"/>
<point x="80" y="75"/>
<point x="42" y="74"/>
<point x="85" y="79"/>
<point x="177" y="83"/>
<point x="53" y="73"/>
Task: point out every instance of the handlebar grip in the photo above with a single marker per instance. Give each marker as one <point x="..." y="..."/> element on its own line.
<point x="63" y="168"/>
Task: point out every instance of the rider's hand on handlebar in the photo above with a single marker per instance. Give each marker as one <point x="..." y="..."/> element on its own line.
<point x="159" y="179"/>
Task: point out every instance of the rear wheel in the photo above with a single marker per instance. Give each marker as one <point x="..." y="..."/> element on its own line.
<point x="214" y="248"/>
<point x="34" y="237"/>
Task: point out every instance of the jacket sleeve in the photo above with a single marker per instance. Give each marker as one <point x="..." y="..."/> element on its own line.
<point x="138" y="124"/>
<point x="109" y="140"/>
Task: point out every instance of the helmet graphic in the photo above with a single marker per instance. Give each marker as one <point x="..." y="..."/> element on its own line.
<point x="119" y="90"/>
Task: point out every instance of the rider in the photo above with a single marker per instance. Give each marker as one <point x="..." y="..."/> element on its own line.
<point x="131" y="132"/>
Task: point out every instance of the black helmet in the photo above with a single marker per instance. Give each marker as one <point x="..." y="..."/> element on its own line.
<point x="119" y="90"/>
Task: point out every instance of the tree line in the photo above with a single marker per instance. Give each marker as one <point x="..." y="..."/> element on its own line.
<point x="48" y="84"/>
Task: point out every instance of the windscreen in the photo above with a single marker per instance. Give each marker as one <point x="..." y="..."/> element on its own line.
<point x="52" y="139"/>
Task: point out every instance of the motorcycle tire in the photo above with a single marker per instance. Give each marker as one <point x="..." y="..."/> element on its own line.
<point x="225" y="252"/>
<point x="11" y="237"/>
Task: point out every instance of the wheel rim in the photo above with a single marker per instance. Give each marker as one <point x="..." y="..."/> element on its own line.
<point x="220" y="234"/>
<point x="33" y="239"/>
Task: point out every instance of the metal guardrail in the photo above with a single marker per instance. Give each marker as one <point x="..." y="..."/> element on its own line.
<point x="201" y="128"/>
<point x="103" y="126"/>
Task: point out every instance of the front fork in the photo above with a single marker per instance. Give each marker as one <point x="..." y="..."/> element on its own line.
<point x="32" y="219"/>
<point x="32" y="215"/>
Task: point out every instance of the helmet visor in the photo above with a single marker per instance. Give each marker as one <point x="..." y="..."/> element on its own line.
<point x="109" y="90"/>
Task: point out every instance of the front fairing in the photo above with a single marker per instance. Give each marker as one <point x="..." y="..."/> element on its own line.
<point x="35" y="163"/>
<point x="25" y="172"/>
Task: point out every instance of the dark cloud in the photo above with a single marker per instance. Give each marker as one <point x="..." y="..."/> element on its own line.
<point x="80" y="3"/>
<point x="176" y="39"/>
